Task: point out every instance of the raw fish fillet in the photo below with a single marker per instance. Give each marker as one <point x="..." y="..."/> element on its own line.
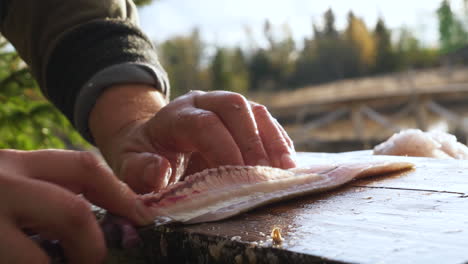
<point x="216" y="194"/>
<point x="416" y="143"/>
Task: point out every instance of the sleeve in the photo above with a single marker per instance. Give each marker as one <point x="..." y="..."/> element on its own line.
<point x="77" y="48"/>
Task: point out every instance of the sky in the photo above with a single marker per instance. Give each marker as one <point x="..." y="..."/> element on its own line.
<point x="224" y="22"/>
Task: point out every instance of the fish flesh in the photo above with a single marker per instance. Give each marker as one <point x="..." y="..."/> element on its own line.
<point x="416" y="143"/>
<point x="219" y="193"/>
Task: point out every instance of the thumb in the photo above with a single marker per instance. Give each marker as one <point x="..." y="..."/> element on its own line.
<point x="83" y="173"/>
<point x="145" y="172"/>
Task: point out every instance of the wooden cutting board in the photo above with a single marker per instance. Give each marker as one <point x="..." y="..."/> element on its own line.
<point x="418" y="216"/>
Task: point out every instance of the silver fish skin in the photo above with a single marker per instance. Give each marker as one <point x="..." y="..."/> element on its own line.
<point x="219" y="193"/>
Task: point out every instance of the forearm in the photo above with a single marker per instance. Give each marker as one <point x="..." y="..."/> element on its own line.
<point x="118" y="109"/>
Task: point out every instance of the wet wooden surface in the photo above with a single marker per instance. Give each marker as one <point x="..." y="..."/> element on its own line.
<point x="419" y="216"/>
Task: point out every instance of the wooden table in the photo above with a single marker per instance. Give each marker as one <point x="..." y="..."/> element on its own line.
<point x="420" y="216"/>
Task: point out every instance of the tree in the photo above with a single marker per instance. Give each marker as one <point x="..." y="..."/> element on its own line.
<point x="262" y="72"/>
<point x="330" y="29"/>
<point x="271" y="68"/>
<point x="228" y="71"/>
<point x="385" y="57"/>
<point x="142" y="2"/>
<point x="281" y="53"/>
<point x="219" y="70"/>
<point x="240" y="74"/>
<point x="452" y="33"/>
<point x="412" y="54"/>
<point x="322" y="58"/>
<point x="362" y="43"/>
<point x="182" y="56"/>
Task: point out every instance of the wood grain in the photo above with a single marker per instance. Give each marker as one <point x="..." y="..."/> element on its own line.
<point x="417" y="216"/>
<point x="412" y="217"/>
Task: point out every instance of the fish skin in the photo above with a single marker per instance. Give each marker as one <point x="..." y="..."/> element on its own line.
<point x="219" y="193"/>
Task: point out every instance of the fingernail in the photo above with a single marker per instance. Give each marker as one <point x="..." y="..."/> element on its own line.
<point x="167" y="177"/>
<point x="287" y="161"/>
<point x="263" y="162"/>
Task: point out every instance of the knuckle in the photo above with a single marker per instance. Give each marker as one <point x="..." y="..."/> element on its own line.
<point x="90" y="161"/>
<point x="260" y="110"/>
<point x="183" y="117"/>
<point x="78" y="213"/>
<point x="253" y="142"/>
<point x="235" y="99"/>
<point x="196" y="92"/>
<point x="228" y="98"/>
<point x="205" y="120"/>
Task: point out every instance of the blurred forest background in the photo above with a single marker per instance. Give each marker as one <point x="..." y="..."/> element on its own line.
<point x="28" y="121"/>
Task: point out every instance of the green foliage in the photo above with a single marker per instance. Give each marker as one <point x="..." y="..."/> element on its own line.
<point x="330" y="29"/>
<point x="262" y="72"/>
<point x="385" y="57"/>
<point x="327" y="56"/>
<point x="142" y="2"/>
<point x="362" y="43"/>
<point x="228" y="71"/>
<point x="182" y="58"/>
<point x="27" y="120"/>
<point x="271" y="68"/>
<point x="411" y="54"/>
<point x="453" y="35"/>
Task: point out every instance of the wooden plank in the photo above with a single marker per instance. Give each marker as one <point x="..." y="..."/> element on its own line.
<point x="421" y="114"/>
<point x="399" y="222"/>
<point x="412" y="217"/>
<point x="445" y="113"/>
<point x="303" y="133"/>
<point x="326" y="119"/>
<point x="358" y="125"/>
<point x="380" y="119"/>
<point x="430" y="174"/>
<point x="359" y="225"/>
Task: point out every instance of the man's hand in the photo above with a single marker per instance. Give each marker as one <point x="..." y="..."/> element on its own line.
<point x="39" y="193"/>
<point x="148" y="143"/>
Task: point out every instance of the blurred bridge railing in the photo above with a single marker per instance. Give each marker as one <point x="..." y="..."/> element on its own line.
<point x="359" y="113"/>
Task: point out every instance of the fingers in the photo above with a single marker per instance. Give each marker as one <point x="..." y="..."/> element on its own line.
<point x="16" y="247"/>
<point x="204" y="132"/>
<point x="285" y="135"/>
<point x="196" y="163"/>
<point x="216" y="117"/>
<point x="235" y="113"/>
<point x="275" y="140"/>
<point x="58" y="213"/>
<point x="83" y="173"/>
<point x="145" y="172"/>
<point x="219" y="126"/>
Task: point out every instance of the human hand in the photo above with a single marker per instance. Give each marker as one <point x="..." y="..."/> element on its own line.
<point x="217" y="128"/>
<point x="38" y="192"/>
